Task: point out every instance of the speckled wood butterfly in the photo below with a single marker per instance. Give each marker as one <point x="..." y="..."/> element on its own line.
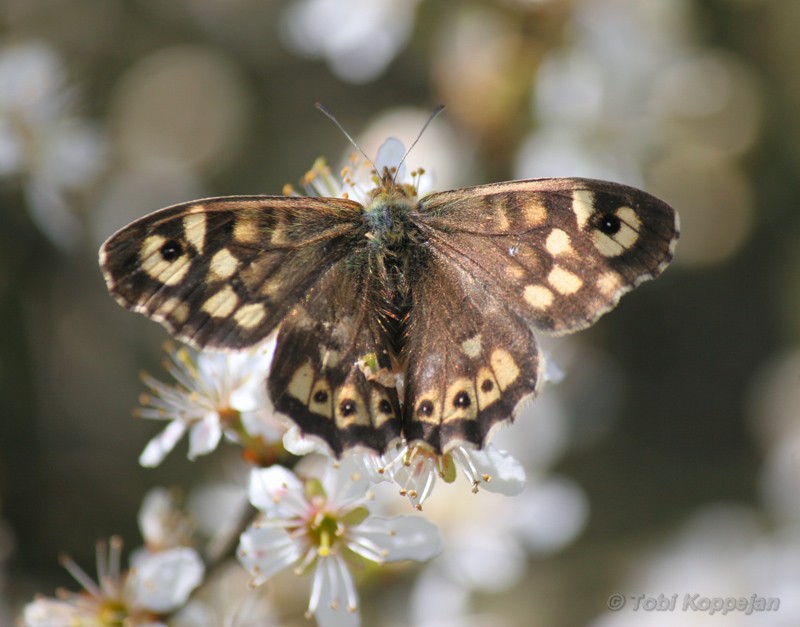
<point x="438" y="294"/>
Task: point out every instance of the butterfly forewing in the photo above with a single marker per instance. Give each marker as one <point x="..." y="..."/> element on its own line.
<point x="559" y="252"/>
<point x="223" y="272"/>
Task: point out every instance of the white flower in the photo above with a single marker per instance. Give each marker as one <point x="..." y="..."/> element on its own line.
<point x="415" y="469"/>
<point x="216" y="393"/>
<point x="320" y="525"/>
<point x="159" y="584"/>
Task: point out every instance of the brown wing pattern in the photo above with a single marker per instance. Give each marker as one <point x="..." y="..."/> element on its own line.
<point x="559" y="252"/>
<point x="332" y="373"/>
<point x="470" y="360"/>
<point x="223" y="272"/>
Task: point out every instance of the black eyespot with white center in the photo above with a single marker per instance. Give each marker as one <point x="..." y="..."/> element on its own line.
<point x="426" y="408"/>
<point x="348" y="407"/>
<point x="461" y="400"/>
<point x="608" y="224"/>
<point x="171" y="250"/>
<point x="385" y="407"/>
<point x="320" y="396"/>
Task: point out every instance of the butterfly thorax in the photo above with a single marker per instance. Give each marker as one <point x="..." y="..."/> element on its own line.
<point x="386" y="216"/>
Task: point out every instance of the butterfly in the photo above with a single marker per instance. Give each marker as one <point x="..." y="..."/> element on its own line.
<point x="401" y="318"/>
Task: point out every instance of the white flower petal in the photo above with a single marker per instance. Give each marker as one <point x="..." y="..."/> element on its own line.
<point x="346" y="484"/>
<point x="507" y="476"/>
<point x="205" y="435"/>
<point x="264" y="551"/>
<point x="333" y="594"/>
<point x="399" y="538"/>
<point x="277" y="492"/>
<point x="163" y="581"/>
<point x="45" y="612"/>
<point x="158" y="448"/>
<point x="297" y="444"/>
<point x="389" y="156"/>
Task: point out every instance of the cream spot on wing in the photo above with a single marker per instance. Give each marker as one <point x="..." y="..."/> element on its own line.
<point x="328" y="357"/>
<point x="349" y="407"/>
<point x="300" y="384"/>
<point x="624" y="239"/>
<point x="278" y="236"/>
<point x="173" y="310"/>
<point x="582" y="206"/>
<point x="221" y="304"/>
<point x="538" y="296"/>
<point x="194" y="229"/>
<point x="487" y="388"/>
<point x="271" y="287"/>
<point x="534" y="213"/>
<point x="223" y="265"/>
<point x="460" y="401"/>
<point x="564" y="281"/>
<point x="321" y="399"/>
<point x="609" y="283"/>
<point x="504" y="367"/>
<point x="152" y="262"/>
<point x="514" y="272"/>
<point x="472" y="346"/>
<point x="245" y="231"/>
<point x="558" y="243"/>
<point x="250" y="316"/>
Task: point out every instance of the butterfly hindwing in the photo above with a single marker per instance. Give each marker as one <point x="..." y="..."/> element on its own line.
<point x="332" y="373"/>
<point x="559" y="252"/>
<point x="470" y="360"/>
<point x="223" y="272"/>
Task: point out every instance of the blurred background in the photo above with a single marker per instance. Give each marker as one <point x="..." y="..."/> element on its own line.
<point x="665" y="461"/>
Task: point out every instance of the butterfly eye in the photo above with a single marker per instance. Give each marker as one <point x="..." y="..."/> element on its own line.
<point x="462" y="400"/>
<point x="609" y="224"/>
<point x="347" y="407"/>
<point x="171" y="250"/>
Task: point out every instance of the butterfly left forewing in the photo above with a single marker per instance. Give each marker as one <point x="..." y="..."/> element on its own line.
<point x="558" y="252"/>
<point x="223" y="272"/>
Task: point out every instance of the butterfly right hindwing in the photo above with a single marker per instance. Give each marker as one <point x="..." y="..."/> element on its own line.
<point x="470" y="360"/>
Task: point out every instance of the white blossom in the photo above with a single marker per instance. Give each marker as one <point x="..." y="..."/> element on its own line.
<point x="159" y="584"/>
<point x="214" y="394"/>
<point x="320" y="525"/>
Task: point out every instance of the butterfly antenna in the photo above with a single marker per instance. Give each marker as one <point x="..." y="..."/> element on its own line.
<point x="332" y="117"/>
<point x="436" y="111"/>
